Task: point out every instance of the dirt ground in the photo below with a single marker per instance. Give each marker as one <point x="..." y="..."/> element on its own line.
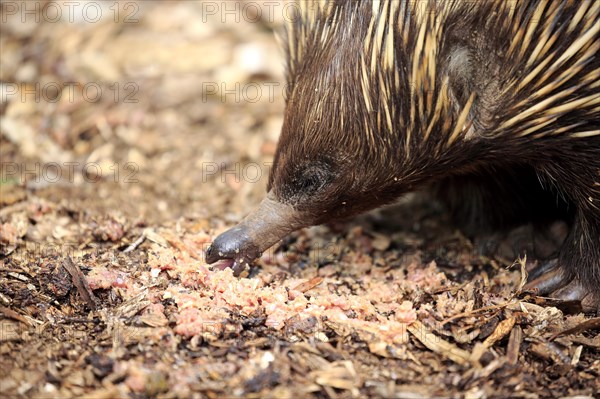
<point x="132" y="133"/>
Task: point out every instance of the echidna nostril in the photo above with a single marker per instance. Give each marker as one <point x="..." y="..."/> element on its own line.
<point x="209" y="255"/>
<point x="233" y="244"/>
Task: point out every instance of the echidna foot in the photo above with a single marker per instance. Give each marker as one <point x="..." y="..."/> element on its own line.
<point x="549" y="279"/>
<point x="507" y="245"/>
<point x="543" y="269"/>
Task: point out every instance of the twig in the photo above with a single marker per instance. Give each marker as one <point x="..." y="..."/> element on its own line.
<point x="14" y="315"/>
<point x="135" y="244"/>
<point x="476" y="312"/>
<point x="591" y="324"/>
<point x="76" y="320"/>
<point x="308" y="285"/>
<point x="80" y="282"/>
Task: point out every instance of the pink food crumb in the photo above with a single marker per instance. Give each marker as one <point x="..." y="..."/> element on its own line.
<point x="102" y="278"/>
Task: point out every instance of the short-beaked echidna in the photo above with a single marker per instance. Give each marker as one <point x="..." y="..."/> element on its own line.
<point x="496" y="103"/>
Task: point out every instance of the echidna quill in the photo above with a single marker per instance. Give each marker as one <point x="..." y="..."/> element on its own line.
<point x="494" y="103"/>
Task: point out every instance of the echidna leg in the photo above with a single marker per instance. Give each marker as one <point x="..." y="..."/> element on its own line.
<point x="575" y="275"/>
<point x="580" y="257"/>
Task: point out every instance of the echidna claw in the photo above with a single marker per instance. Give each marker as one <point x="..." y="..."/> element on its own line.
<point x="548" y="279"/>
<point x="543" y="269"/>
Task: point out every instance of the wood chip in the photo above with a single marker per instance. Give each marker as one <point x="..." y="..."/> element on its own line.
<point x="437" y="344"/>
<point x="154" y="320"/>
<point x="156" y="238"/>
<point x="478" y="350"/>
<point x="14" y="315"/>
<point x="111" y="392"/>
<point x="549" y="351"/>
<point x="576" y="355"/>
<point x="80" y="283"/>
<point x="18" y="276"/>
<point x="591" y="342"/>
<point x="502" y="330"/>
<point x="133" y="306"/>
<point x="514" y="345"/>
<point x="340" y="375"/>
<point x="591" y="324"/>
<point x="308" y="285"/>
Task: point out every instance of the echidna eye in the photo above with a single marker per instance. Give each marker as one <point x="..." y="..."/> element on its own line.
<point x="308" y="181"/>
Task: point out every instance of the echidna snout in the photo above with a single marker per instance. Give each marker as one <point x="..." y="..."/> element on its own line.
<point x="242" y="244"/>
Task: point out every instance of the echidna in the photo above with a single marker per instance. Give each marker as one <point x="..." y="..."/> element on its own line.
<point x="495" y="103"/>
